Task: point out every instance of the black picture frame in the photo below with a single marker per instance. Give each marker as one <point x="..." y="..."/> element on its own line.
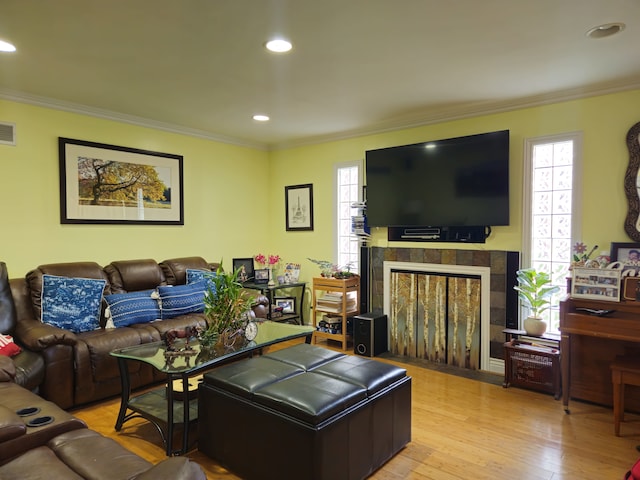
<point x="620" y="252"/>
<point x="247" y="265"/>
<point x="151" y="185"/>
<point x="299" y="207"/>
<point x="288" y="304"/>
<point x="261" y="276"/>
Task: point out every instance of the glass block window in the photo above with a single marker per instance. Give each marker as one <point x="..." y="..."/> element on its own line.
<point x="550" y="220"/>
<point x="348" y="188"/>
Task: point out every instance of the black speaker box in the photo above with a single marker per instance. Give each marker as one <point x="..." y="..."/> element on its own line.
<point x="512" y="303"/>
<point x="370" y="334"/>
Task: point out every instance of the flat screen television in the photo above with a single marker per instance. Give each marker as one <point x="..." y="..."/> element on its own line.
<point x="461" y="181"/>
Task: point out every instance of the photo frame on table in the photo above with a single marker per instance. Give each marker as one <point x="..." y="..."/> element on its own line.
<point x="246" y="266"/>
<point x="288" y="304"/>
<point x="111" y="184"/>
<point x="299" y="207"/>
<point x="261" y="276"/>
<point x="628" y="254"/>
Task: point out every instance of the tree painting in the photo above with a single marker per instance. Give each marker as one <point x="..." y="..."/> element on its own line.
<point x="112" y="183"/>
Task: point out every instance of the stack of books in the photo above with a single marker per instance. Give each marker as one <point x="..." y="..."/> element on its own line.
<point x="332" y="302"/>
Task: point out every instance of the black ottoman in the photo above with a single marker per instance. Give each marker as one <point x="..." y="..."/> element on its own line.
<point x="304" y="412"/>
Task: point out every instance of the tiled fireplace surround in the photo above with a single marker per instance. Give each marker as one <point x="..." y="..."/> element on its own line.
<point x="495" y="260"/>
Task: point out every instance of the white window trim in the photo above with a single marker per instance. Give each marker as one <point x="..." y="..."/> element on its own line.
<point x="336" y="226"/>
<point x="576" y="197"/>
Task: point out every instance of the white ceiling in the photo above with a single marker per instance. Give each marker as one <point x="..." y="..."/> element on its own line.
<point x="358" y="66"/>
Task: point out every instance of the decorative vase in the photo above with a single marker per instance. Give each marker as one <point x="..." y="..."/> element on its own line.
<point x="534" y="326"/>
<point x="272" y="282"/>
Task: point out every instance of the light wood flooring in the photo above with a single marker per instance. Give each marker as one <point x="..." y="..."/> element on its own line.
<point x="461" y="429"/>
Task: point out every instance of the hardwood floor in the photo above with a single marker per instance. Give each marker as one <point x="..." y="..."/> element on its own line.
<point x="461" y="429"/>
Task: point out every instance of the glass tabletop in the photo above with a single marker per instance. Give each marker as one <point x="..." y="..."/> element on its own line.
<point x="189" y="358"/>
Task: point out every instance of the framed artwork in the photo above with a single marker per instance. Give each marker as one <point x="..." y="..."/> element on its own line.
<point x="596" y="283"/>
<point x="261" y="275"/>
<point x="246" y="268"/>
<point x="288" y="304"/>
<point x="299" y="207"/>
<point x="110" y="184"/>
<point x="628" y="254"/>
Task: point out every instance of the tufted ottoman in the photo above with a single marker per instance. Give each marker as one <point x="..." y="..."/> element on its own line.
<point x="304" y="412"/>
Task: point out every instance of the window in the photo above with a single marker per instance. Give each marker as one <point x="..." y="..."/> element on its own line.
<point x="348" y="187"/>
<point x="552" y="183"/>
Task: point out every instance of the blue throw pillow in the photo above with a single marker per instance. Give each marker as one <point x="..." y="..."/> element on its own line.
<point x="131" y="308"/>
<point x="182" y="299"/>
<point x="72" y="303"/>
<point x="194" y="275"/>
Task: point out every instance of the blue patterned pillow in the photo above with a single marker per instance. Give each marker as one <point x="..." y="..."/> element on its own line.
<point x="182" y="299"/>
<point x="72" y="303"/>
<point x="194" y="275"/>
<point x="131" y="308"/>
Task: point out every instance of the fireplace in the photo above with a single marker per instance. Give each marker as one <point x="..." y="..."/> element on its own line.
<point x="438" y="312"/>
<point x="476" y="332"/>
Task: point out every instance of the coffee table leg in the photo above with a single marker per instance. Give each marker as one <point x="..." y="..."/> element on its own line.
<point x="170" y="416"/>
<point x="125" y="394"/>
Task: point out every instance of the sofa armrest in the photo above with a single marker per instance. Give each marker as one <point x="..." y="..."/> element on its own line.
<point x="175" y="468"/>
<point x="11" y="426"/>
<point x="7" y="369"/>
<point x="37" y="336"/>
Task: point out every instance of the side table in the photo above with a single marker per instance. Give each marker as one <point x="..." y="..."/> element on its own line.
<point x="270" y="293"/>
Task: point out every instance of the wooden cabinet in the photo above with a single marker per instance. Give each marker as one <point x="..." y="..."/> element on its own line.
<point x="338" y="298"/>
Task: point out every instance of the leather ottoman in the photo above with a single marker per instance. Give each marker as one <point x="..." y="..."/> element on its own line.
<point x="304" y="412"/>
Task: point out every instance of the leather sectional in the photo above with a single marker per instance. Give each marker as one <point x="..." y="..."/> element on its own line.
<point x="39" y="440"/>
<point x="77" y="367"/>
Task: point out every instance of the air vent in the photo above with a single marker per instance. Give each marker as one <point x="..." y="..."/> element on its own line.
<point x="7" y="133"/>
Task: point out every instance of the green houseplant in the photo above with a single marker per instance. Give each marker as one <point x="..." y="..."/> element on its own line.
<point x="535" y="290"/>
<point x="227" y="308"/>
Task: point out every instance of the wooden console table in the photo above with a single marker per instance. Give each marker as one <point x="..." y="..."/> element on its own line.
<point x="589" y="343"/>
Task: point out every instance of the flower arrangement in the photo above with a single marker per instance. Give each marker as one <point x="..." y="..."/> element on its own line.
<point x="267" y="261"/>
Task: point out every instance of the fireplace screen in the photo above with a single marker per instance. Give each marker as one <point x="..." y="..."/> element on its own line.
<point x="436" y="317"/>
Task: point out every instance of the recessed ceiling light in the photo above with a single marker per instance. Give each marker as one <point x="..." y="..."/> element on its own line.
<point x="278" y="45"/>
<point x="261" y="118"/>
<point x="605" y="30"/>
<point x="6" y="47"/>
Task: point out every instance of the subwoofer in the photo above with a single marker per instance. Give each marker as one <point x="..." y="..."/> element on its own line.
<point x="370" y="334"/>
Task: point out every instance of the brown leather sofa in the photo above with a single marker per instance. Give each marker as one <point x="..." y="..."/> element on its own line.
<point x="40" y="440"/>
<point x="28" y="365"/>
<point x="77" y="366"/>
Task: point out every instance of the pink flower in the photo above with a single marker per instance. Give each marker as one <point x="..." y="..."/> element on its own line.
<point x="273" y="259"/>
<point x="260" y="258"/>
<point x="579" y="247"/>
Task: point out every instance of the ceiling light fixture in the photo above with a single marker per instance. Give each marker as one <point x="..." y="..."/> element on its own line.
<point x="261" y="118"/>
<point x="278" y="45"/>
<point x="605" y="30"/>
<point x="6" y="47"/>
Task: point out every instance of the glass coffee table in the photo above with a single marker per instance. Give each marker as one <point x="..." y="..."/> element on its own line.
<point x="162" y="406"/>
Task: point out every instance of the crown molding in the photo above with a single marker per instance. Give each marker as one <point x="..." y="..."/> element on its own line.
<point x="46" y="102"/>
<point x="470" y="110"/>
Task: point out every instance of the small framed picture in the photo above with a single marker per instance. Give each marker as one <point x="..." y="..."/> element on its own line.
<point x="596" y="283"/>
<point x="261" y="275"/>
<point x="628" y="254"/>
<point x="246" y="268"/>
<point x="298" y="200"/>
<point x="288" y="304"/>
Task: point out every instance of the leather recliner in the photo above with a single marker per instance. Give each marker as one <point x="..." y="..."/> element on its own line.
<point x="28" y="365"/>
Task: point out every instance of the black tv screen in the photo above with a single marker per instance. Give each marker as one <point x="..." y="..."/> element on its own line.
<point x="461" y="181"/>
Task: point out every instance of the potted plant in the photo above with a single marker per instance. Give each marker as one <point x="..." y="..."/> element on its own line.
<point x="227" y="308"/>
<point x="331" y="270"/>
<point x="535" y="290"/>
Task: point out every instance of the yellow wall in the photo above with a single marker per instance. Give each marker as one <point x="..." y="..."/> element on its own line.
<point x="234" y="196"/>
<point x="225" y="196"/>
<point x="603" y="120"/>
